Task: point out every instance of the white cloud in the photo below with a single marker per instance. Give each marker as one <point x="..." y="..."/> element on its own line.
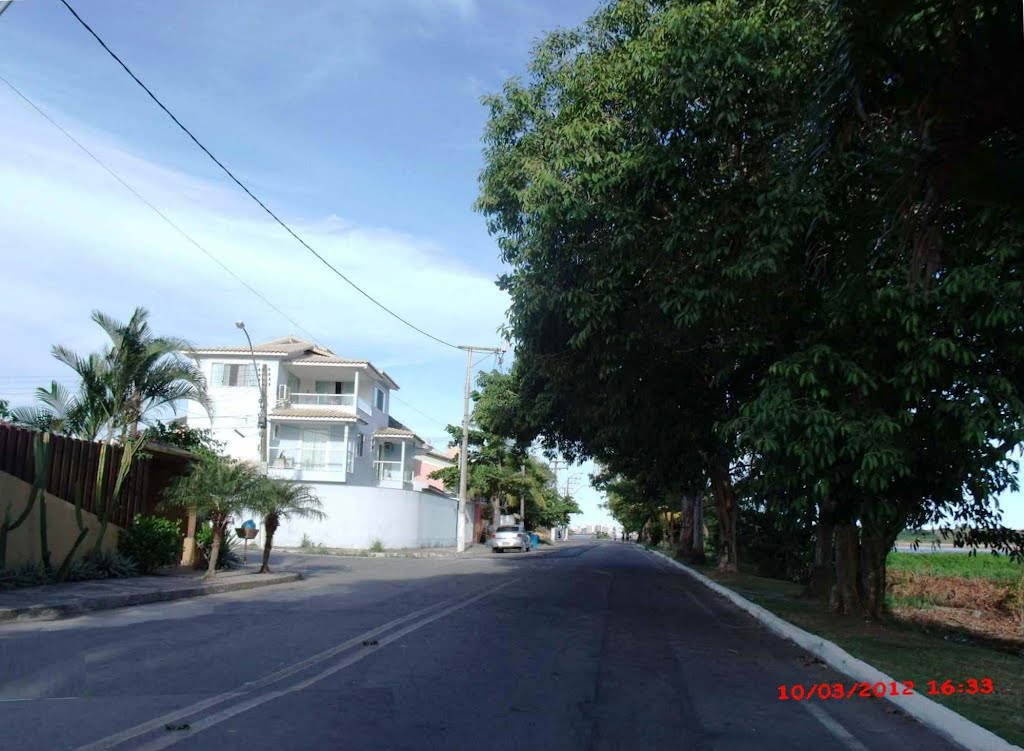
<point x="72" y="239"/>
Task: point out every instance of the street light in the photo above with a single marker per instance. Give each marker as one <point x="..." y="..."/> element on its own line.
<point x="263" y="394"/>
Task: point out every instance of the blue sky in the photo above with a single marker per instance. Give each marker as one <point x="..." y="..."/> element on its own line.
<point x="359" y="122"/>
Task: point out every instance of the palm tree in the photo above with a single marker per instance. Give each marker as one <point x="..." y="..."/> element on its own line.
<point x="215" y="489"/>
<point x="120" y="387"/>
<point x="283" y="499"/>
<point x="146" y="372"/>
<point x="83" y="413"/>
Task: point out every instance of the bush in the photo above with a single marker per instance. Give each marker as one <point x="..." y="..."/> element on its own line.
<point x="24" y="575"/>
<point x="227" y="558"/>
<point x="152" y="542"/>
<point x="777" y="540"/>
<point x="109" y="566"/>
<point x="377" y="546"/>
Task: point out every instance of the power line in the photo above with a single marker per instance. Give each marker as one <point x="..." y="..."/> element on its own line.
<point x="163" y="216"/>
<point x="433" y="420"/>
<point x="241" y="185"/>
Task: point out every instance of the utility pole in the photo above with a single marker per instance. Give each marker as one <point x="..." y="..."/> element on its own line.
<point x="263" y="398"/>
<point x="460" y="532"/>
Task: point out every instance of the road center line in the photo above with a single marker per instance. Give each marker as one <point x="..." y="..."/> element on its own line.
<point x="253" y="702"/>
<point x="243" y="690"/>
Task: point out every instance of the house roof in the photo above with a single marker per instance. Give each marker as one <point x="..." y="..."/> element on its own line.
<point x="395" y="429"/>
<point x="298" y="351"/>
<point x="298" y="413"/>
<point x="439" y="456"/>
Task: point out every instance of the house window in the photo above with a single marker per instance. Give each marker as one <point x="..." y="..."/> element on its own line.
<point x="359" y="445"/>
<point x="378" y="398"/>
<point x="335" y="387"/>
<point x="228" y="375"/>
<point x="275" y="430"/>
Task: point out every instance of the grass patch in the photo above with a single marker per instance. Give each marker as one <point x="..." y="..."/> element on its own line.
<point x="982" y="566"/>
<point x="906" y="651"/>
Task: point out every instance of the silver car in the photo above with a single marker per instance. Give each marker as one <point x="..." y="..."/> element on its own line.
<point x="506" y="538"/>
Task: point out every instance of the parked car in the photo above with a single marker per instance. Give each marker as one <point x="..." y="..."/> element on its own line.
<point x="510" y="537"/>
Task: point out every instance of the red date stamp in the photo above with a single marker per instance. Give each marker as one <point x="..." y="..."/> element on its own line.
<point x="801" y="692"/>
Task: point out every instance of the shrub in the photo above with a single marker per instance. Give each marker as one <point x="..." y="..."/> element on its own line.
<point x="110" y="566"/>
<point x="377" y="546"/>
<point x="778" y="540"/>
<point x="23" y="575"/>
<point x="152" y="542"/>
<point x="227" y="558"/>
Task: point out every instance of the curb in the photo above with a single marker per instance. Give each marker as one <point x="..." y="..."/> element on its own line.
<point x="944" y="721"/>
<point x="110" y="602"/>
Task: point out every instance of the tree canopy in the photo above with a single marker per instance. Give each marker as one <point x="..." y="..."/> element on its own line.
<point x="746" y="249"/>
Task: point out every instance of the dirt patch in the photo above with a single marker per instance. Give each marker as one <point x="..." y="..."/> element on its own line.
<point x="984" y="624"/>
<point x="984" y="608"/>
<point x="956" y="592"/>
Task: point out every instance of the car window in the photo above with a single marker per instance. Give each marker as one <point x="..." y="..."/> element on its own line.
<point x="508" y="529"/>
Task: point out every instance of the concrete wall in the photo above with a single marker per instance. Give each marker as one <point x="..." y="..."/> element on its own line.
<point x="356" y="516"/>
<point x="235" y="409"/>
<point x="61" y="528"/>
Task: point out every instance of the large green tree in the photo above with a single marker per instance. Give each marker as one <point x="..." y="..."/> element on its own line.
<point x="749" y="231"/>
<point x="500" y="468"/>
<point x="639" y="187"/>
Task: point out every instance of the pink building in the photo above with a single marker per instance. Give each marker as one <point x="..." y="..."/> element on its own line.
<point x="429" y="461"/>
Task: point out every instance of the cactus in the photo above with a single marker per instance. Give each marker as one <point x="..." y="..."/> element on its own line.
<point x="112" y="501"/>
<point x="42" y="461"/>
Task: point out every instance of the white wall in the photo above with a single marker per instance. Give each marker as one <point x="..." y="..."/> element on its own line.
<point x="356" y="516"/>
<point x="234" y="408"/>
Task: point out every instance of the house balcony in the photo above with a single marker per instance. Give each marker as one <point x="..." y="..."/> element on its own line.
<point x="316" y="465"/>
<point x="343" y="404"/>
<point x="391" y="474"/>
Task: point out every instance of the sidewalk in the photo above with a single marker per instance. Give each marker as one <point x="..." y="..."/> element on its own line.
<point x="55" y="601"/>
<point x="474" y="551"/>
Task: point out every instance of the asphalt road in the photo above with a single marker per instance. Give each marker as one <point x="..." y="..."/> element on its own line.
<point x="587" y="645"/>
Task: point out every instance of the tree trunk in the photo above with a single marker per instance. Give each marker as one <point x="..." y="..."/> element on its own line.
<point x="686" y="517"/>
<point x="270" y="525"/>
<point x="728" y="513"/>
<point x="846" y="594"/>
<point x="218" y="536"/>
<point x="821" y="581"/>
<point x="698" y="530"/>
<point x="873" y="552"/>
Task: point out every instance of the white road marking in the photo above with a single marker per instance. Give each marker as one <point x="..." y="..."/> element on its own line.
<point x="252" y="703"/>
<point x="146" y="727"/>
<point x="838" y="731"/>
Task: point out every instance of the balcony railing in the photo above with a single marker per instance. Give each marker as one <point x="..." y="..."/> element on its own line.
<point x="322" y="460"/>
<point x="322" y="400"/>
<point x="392" y="471"/>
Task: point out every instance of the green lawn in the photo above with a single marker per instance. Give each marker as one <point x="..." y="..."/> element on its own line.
<point x="907" y="652"/>
<point x="982" y="565"/>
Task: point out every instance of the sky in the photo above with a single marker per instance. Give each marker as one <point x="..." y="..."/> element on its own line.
<point x="358" y="122"/>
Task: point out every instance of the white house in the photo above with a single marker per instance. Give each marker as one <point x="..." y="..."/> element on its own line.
<point x="329" y="426"/>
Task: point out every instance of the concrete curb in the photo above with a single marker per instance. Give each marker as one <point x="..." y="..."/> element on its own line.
<point x="57" y="611"/>
<point x="931" y="714"/>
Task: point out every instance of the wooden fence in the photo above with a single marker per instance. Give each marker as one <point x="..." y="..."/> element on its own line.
<point x="74" y="465"/>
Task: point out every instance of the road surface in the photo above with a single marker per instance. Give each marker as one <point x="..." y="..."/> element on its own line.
<point x="586" y="645"/>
